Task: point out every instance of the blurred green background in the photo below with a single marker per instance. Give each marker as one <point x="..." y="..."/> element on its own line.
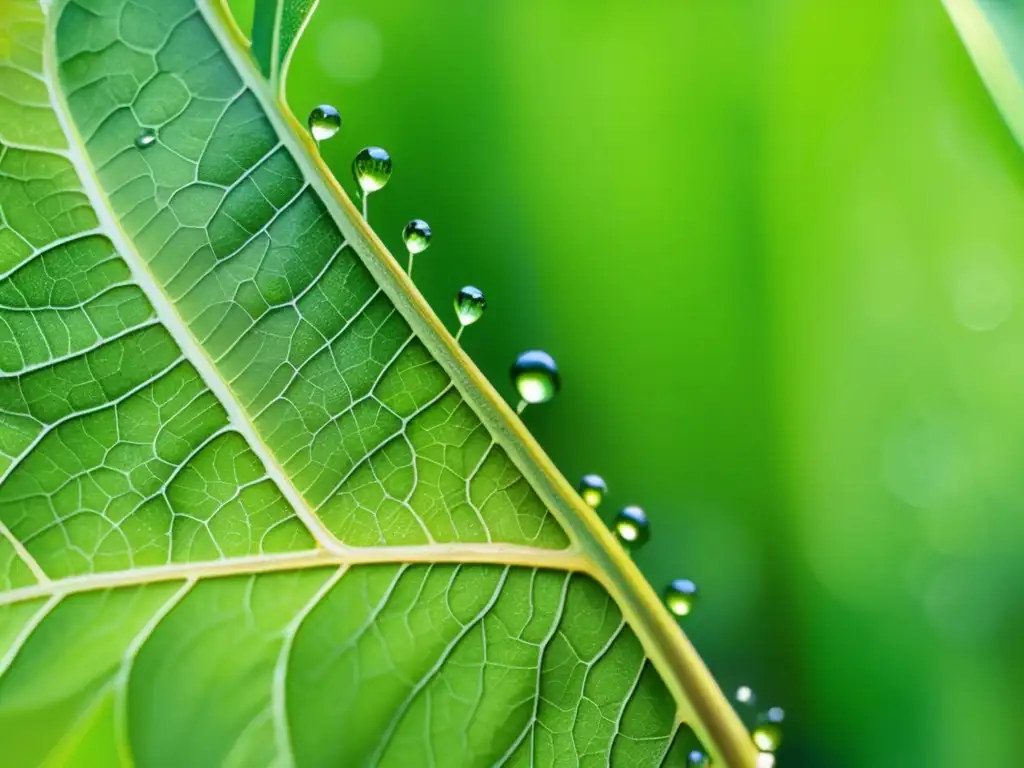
<point x="775" y="247"/>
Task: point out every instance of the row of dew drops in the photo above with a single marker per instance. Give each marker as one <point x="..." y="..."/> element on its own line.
<point x="536" y="378"/>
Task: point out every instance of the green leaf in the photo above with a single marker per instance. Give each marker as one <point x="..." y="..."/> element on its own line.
<point x="276" y="28"/>
<point x="256" y="505"/>
<point x="993" y="32"/>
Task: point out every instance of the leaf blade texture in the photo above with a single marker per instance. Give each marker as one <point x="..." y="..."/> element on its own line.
<point x="277" y="27"/>
<point x="246" y="470"/>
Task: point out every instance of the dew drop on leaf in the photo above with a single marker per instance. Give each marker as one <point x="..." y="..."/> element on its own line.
<point x="593" y="489"/>
<point x="631" y="527"/>
<point x="324" y="122"/>
<point x="469" y="305"/>
<point x="416" y="236"/>
<point x="767" y="735"/>
<point x="371" y="169"/>
<point x="536" y="376"/>
<point x="680" y="596"/>
<point x="697" y="758"/>
<point x="765" y="760"/>
<point x="145" y="139"/>
<point x="745" y="695"/>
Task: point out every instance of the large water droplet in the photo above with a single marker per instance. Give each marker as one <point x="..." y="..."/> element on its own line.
<point x="698" y="758"/>
<point x="324" y="122"/>
<point x="417" y="236"/>
<point x="371" y="169"/>
<point x="593" y="489"/>
<point x="680" y="596"/>
<point x="469" y="305"/>
<point x="536" y="376"/>
<point x="145" y="139"/>
<point x="631" y="526"/>
<point x="745" y="695"/>
<point x="765" y="760"/>
<point x="768" y="734"/>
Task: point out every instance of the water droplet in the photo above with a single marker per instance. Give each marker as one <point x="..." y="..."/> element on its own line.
<point x="324" y="122"/>
<point x="765" y="760"/>
<point x="416" y="236"/>
<point x="696" y="757"/>
<point x="680" y="596"/>
<point x="768" y="734"/>
<point x="371" y="169"/>
<point x="745" y="695"/>
<point x="631" y="527"/>
<point x="469" y="305"/>
<point x="145" y="139"/>
<point x="536" y="376"/>
<point x="592" y="488"/>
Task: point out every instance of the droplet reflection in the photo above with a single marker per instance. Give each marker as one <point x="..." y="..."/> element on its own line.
<point x="145" y="139"/>
<point x="371" y="169"/>
<point x="631" y="527"/>
<point x="416" y="237"/>
<point x="767" y="735"/>
<point x="680" y="596"/>
<point x="469" y="306"/>
<point x="536" y="377"/>
<point x="324" y="122"/>
<point x="593" y="490"/>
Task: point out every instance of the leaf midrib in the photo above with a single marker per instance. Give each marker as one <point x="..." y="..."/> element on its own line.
<point x="238" y="419"/>
<point x="592" y="548"/>
<point x="700" y="703"/>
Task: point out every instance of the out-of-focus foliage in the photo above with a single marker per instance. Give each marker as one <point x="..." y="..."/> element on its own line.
<point x="993" y="33"/>
<point x="776" y="248"/>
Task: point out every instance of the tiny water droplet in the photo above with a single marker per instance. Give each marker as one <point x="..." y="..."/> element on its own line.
<point x="145" y="139"/>
<point x="324" y="122"/>
<point x="417" y="236"/>
<point x="536" y="376"/>
<point x="469" y="305"/>
<point x="631" y="527"/>
<point x="768" y="734"/>
<point x="745" y="695"/>
<point x="371" y="169"/>
<point x="765" y="760"/>
<point x="680" y="596"/>
<point x="593" y="489"/>
<point x="696" y="757"/>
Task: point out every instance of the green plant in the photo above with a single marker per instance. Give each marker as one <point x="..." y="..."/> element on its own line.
<point x="256" y="504"/>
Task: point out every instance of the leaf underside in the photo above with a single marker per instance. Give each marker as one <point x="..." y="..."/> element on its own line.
<point x="247" y="517"/>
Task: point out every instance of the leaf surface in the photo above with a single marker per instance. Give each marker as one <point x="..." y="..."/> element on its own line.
<point x="256" y="507"/>
<point x="277" y="26"/>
